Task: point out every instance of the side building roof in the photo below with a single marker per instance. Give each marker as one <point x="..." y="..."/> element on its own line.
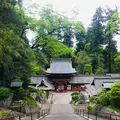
<point x="61" y="66"/>
<point x="41" y="82"/>
<point x="81" y="80"/>
<point x="86" y="79"/>
<point x="98" y="82"/>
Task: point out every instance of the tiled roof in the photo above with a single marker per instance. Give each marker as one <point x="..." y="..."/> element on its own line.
<point x="98" y="82"/>
<point x="87" y="78"/>
<point x="81" y="79"/>
<point x="61" y="66"/>
<point x="36" y="80"/>
<point x="113" y="75"/>
<point x="91" y="90"/>
<point x="39" y="81"/>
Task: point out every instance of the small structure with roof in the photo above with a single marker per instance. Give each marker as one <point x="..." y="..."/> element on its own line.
<point x="18" y="84"/>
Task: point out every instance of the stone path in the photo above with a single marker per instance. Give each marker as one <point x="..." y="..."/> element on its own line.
<point x="61" y="109"/>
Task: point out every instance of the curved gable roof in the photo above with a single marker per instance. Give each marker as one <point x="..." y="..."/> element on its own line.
<point x="61" y="66"/>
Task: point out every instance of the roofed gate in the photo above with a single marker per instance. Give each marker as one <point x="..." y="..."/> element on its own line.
<point x="60" y="72"/>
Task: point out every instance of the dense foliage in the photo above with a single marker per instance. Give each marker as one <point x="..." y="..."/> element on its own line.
<point x="14" y="47"/>
<point x="5" y="93"/>
<point x="108" y="98"/>
<point x="75" y="97"/>
<point x="3" y="113"/>
<point x="30" y="100"/>
<point x="92" y="50"/>
<point x="117" y="64"/>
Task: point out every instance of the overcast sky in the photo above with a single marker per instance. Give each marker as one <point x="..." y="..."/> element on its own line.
<point x="85" y="8"/>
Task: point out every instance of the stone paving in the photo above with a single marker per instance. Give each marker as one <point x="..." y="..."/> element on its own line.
<point x="61" y="109"/>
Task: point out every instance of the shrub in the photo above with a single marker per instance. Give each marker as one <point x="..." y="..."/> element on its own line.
<point x="100" y="97"/>
<point x="115" y="96"/>
<point x="89" y="108"/>
<point x="3" y="113"/>
<point x="41" y="92"/>
<point x="75" y="96"/>
<point x="104" y="99"/>
<point x="75" y="93"/>
<point x="5" y="93"/>
<point x="93" y="99"/>
<point x="22" y="91"/>
<point x="30" y="100"/>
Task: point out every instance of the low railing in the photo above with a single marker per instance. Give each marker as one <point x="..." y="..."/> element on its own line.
<point x="39" y="114"/>
<point x="97" y="115"/>
<point x="31" y="116"/>
<point x="19" y="116"/>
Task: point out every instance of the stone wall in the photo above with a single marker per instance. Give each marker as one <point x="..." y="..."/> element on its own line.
<point x="6" y="102"/>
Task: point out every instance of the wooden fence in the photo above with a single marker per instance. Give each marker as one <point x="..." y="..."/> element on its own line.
<point x="31" y="116"/>
<point x="19" y="116"/>
<point x="97" y="115"/>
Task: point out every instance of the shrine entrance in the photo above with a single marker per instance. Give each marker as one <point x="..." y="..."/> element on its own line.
<point x="60" y="85"/>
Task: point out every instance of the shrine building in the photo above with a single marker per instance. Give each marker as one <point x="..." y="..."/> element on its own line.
<point x="62" y="77"/>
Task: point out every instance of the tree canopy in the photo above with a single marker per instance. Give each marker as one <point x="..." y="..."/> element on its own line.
<point x="92" y="50"/>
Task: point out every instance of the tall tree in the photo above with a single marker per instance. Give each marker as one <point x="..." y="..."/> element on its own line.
<point x="95" y="37"/>
<point x="96" y="30"/>
<point x="111" y="30"/>
<point x="54" y="25"/>
<point x="14" y="47"/>
<point x="80" y="35"/>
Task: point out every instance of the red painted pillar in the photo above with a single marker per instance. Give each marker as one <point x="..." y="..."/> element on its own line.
<point x="56" y="87"/>
<point x="66" y="86"/>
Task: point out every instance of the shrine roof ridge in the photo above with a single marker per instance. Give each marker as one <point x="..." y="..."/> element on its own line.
<point x="61" y="66"/>
<point x="61" y="59"/>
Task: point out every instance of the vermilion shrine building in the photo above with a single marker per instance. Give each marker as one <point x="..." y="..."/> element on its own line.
<point x="60" y="73"/>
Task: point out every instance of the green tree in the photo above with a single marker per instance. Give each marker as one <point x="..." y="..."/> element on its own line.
<point x="96" y="31"/>
<point x="95" y="38"/>
<point x="113" y="55"/>
<point x="80" y="36"/>
<point x="53" y="25"/>
<point x="87" y="69"/>
<point x="115" y="96"/>
<point x="82" y="59"/>
<point x="14" y="61"/>
<point x="54" y="34"/>
<point x="14" y="47"/>
<point x="99" y="71"/>
<point x="117" y="64"/>
<point x="111" y="30"/>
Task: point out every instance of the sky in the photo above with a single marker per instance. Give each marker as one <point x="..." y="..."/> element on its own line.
<point x="85" y="9"/>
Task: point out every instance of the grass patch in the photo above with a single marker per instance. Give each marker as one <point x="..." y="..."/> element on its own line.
<point x="3" y="113"/>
